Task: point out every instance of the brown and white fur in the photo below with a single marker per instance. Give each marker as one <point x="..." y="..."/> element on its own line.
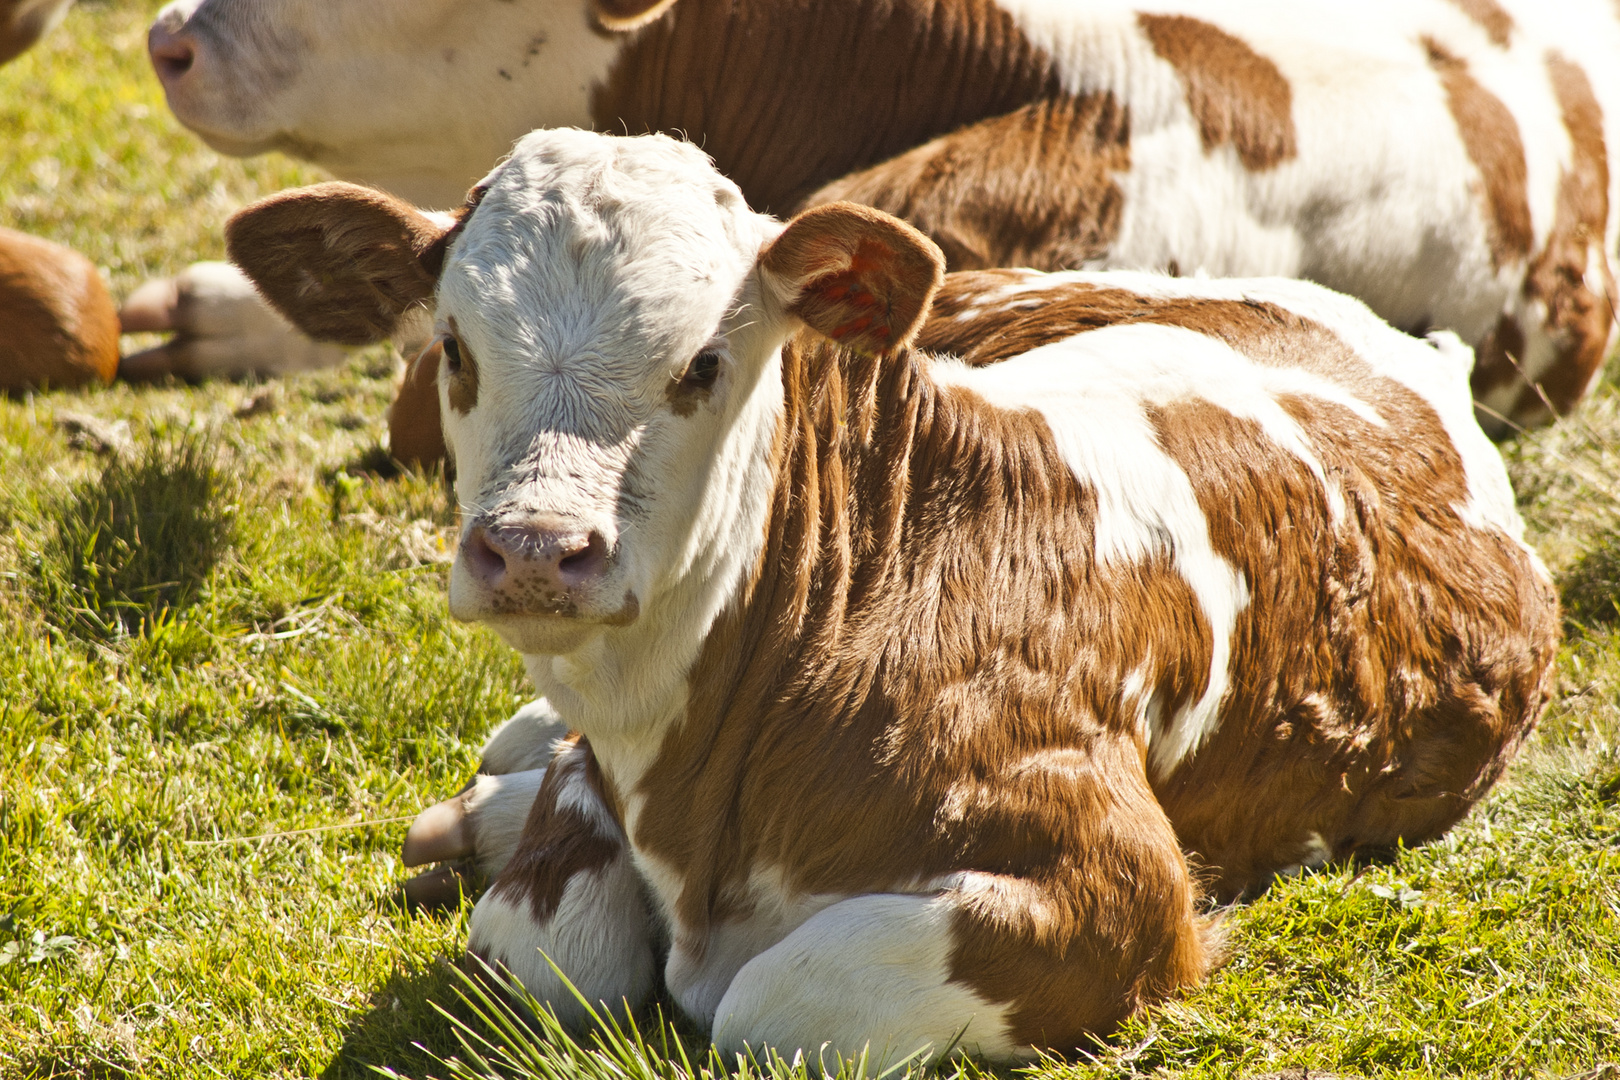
<point x="1444" y="160"/>
<point x="897" y="666"/>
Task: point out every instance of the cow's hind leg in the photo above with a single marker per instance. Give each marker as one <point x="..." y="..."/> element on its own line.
<point x="986" y="968"/>
<point x="569" y="896"/>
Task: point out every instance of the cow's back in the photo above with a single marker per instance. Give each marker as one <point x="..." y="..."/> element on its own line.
<point x="1373" y="638"/>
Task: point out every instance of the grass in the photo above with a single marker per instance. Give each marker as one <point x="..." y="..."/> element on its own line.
<point x="227" y="677"/>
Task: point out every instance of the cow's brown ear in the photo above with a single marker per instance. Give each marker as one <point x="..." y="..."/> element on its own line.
<point x="415" y="436"/>
<point x="342" y="262"/>
<point x="861" y="277"/>
<point x="628" y="14"/>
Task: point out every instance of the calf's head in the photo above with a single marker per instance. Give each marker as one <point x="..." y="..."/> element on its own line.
<point x="610" y="319"/>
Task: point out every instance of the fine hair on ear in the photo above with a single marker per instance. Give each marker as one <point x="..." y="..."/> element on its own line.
<point x="342" y="262"/>
<point x="859" y="276"/>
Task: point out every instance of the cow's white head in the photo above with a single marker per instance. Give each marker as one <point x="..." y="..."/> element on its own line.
<point x="611" y="318"/>
<point x="417" y="96"/>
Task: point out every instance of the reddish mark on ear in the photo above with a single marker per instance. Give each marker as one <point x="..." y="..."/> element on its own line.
<point x="855" y="326"/>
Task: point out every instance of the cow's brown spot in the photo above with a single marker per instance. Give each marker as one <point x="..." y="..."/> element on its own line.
<point x="1236" y="95"/>
<point x="60" y="328"/>
<point x="559" y="841"/>
<point x="1032" y="188"/>
<point x="1572" y="275"/>
<point x="1491" y="137"/>
<point x="786" y="98"/>
<point x="1492" y="18"/>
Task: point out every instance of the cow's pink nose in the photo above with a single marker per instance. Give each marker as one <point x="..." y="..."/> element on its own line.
<point x="172" y="54"/>
<point x="536" y="564"/>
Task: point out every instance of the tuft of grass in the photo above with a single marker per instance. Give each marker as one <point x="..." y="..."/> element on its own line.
<point x="137" y="542"/>
<point x="503" y="1033"/>
<point x="1591" y="586"/>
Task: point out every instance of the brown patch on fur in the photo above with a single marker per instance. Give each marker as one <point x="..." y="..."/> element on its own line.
<point x="883" y="77"/>
<point x="1387" y="676"/>
<point x="19" y="29"/>
<point x="463" y="382"/>
<point x="342" y="262"/>
<point x="1032" y="188"/>
<point x="1236" y="95"/>
<point x="559" y="842"/>
<point x="855" y="274"/>
<point x="414" y="435"/>
<point x="60" y="327"/>
<point x="1580" y="317"/>
<point x="1491" y="137"/>
<point x="1492" y="18"/>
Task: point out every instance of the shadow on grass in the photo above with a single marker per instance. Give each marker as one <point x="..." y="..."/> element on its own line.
<point x="402" y="1031"/>
<point x="137" y="542"/>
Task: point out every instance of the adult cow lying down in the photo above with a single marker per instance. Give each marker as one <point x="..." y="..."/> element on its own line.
<point x="1444" y="160"/>
<point x="898" y="664"/>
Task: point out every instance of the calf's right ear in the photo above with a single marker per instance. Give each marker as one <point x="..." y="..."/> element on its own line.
<point x="342" y="262"/>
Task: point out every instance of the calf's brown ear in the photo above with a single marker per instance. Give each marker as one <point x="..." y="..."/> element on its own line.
<point x="859" y="276"/>
<point x="627" y="14"/>
<point x="340" y="261"/>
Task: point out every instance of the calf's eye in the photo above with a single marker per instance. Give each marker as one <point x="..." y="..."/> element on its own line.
<point x="702" y="371"/>
<point x="452" y="355"/>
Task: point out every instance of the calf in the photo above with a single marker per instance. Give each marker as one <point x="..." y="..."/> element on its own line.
<point x="1444" y="160"/>
<point x="897" y="671"/>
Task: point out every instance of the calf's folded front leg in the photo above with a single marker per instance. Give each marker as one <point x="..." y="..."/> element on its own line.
<point x="570" y="893"/>
<point x="477" y="829"/>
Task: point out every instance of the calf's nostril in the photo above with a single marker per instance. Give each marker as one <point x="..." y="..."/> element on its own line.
<point x="586" y="557"/>
<point x="483" y="560"/>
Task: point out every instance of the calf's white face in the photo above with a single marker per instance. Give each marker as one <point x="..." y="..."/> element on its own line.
<point x="604" y="339"/>
<point x="353" y="84"/>
<point x="610" y="317"/>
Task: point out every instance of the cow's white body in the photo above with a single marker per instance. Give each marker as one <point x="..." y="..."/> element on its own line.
<point x="902" y="675"/>
<point x="1374" y="190"/>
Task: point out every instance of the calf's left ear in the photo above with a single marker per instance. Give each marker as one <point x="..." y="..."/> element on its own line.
<point x="859" y="276"/>
<point x="342" y="262"/>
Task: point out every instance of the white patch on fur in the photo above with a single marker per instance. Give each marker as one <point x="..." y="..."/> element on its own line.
<point x="866" y="975"/>
<point x="600" y="936"/>
<point x="497" y="809"/>
<point x="699" y="972"/>
<point x="525" y="740"/>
